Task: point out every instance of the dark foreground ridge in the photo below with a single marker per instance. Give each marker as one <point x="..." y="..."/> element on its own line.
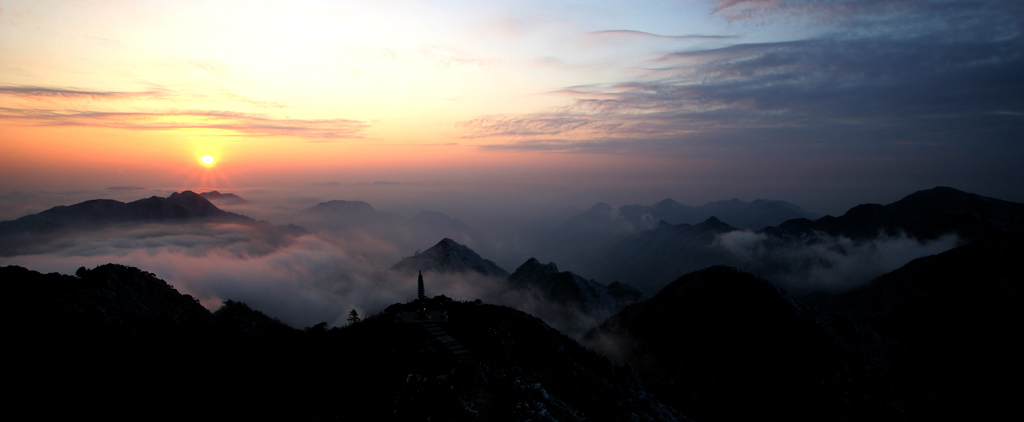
<point x="726" y="345"/>
<point x="113" y="340"/>
<point x="938" y="339"/>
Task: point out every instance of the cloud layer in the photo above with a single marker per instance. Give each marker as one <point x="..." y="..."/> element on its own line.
<point x="826" y="263"/>
<point x="918" y="89"/>
<point x="302" y="279"/>
<point x="96" y="113"/>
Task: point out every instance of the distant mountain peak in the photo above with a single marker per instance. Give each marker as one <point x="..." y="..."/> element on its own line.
<point x="448" y="256"/>
<point x="338" y="205"/>
<point x="600" y="207"/>
<point x="183" y="205"/>
<point x="667" y="203"/>
<point x="535" y="265"/>
<point x="223" y="198"/>
<point x="448" y="243"/>
<point x="566" y="287"/>
<point x="747" y="215"/>
<point x="179" y="207"/>
<point x="940" y="190"/>
<point x="713" y="223"/>
<point x="195" y="204"/>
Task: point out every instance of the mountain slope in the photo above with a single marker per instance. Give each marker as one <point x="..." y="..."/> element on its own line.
<point x="720" y="344"/>
<point x="958" y="315"/>
<point x="745" y="215"/>
<point x="96" y="221"/>
<point x="223" y="198"/>
<point x="345" y="215"/>
<point x="237" y="363"/>
<point x="926" y="214"/>
<point x="107" y="301"/>
<point x="575" y="243"/>
<point x="651" y="259"/>
<point x="358" y="219"/>
<point x="829" y="254"/>
<point x="61" y="226"/>
<point x="448" y="256"/>
<point x="181" y="206"/>
<point x="568" y="289"/>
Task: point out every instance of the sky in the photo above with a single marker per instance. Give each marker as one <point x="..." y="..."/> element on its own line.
<point x="509" y="108"/>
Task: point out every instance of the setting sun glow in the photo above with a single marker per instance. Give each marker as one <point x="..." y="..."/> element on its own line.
<point x="208" y="160"/>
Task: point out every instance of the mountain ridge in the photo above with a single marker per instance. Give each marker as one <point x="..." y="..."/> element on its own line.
<point x="448" y="256"/>
<point x="152" y="338"/>
<point x="744" y="349"/>
<point x="34" y="233"/>
<point x="925" y="214"/>
<point x="567" y="288"/>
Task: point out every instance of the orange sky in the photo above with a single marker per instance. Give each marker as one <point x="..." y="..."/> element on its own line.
<point x="699" y="100"/>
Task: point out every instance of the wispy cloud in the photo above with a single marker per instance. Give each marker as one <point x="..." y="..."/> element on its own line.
<point x="240" y="123"/>
<point x="757" y="9"/>
<point x="61" y="107"/>
<point x="868" y="91"/>
<point x="236" y="123"/>
<point x="447" y="57"/>
<point x="953" y="13"/>
<point x="36" y="91"/>
<point x="529" y="125"/>
<point x="634" y="33"/>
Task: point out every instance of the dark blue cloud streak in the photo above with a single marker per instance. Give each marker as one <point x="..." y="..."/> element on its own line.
<point x="931" y="86"/>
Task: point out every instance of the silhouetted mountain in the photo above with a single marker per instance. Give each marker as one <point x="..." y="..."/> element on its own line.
<point x="36" y="233"/>
<point x="720" y="344"/>
<point x="341" y="215"/>
<point x="744" y="215"/>
<point x="829" y="254"/>
<point x="434" y="225"/>
<point x="223" y="198"/>
<point x="448" y="256"/>
<point x="565" y="300"/>
<point x="958" y="317"/>
<point x="238" y="319"/>
<point x="651" y="259"/>
<point x="340" y="206"/>
<point x="643" y="217"/>
<point x="359" y="219"/>
<point x="117" y="302"/>
<point x="181" y="206"/>
<point x="583" y="231"/>
<point x="568" y="289"/>
<point x="582" y="239"/>
<point x="757" y="214"/>
<point x="156" y="344"/>
<point x="108" y="301"/>
<point x="925" y="214"/>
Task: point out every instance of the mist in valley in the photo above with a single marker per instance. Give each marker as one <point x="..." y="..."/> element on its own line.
<point x="340" y="256"/>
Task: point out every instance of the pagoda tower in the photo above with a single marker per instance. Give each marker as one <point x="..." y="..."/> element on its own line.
<point x="419" y="287"/>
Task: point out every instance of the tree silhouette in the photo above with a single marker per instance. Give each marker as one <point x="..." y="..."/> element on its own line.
<point x="353" y="317"/>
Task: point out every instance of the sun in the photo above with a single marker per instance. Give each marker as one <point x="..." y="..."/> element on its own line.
<point x="208" y="160"/>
